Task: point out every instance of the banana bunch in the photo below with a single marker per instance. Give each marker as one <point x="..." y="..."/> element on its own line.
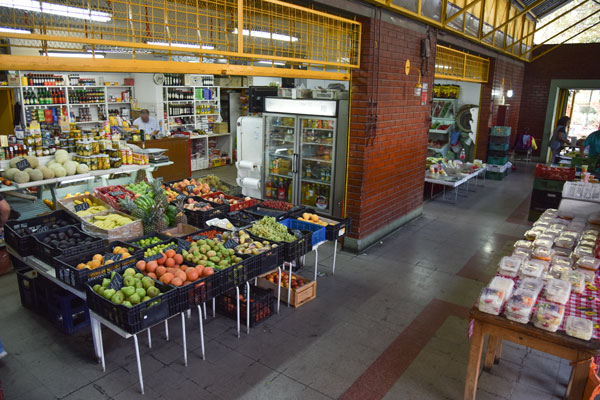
<point x="86" y="200"/>
<point x="110" y="221"/>
<point x="75" y="195"/>
<point x="92" y="210"/>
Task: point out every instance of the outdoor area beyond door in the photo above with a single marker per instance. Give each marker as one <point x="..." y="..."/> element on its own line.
<point x="583" y="106"/>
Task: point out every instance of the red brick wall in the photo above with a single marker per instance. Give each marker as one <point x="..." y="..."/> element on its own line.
<point x="386" y="177"/>
<point x="569" y="61"/>
<point x="513" y="73"/>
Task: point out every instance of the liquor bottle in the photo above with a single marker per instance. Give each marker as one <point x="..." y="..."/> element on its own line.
<point x="281" y="191"/>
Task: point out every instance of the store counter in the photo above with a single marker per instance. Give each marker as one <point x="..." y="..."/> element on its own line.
<point x="178" y="151"/>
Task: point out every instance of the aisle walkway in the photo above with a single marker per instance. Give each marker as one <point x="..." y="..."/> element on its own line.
<point x="391" y="324"/>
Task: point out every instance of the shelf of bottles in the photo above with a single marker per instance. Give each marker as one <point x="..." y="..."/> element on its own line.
<point x="317" y="152"/>
<point x="279" y="179"/>
<point x="191" y="107"/>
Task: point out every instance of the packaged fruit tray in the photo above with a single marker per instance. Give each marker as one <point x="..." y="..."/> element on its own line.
<point x="197" y="217"/>
<point x="148" y="241"/>
<point x="125" y="232"/>
<point x="137" y="317"/>
<point x="77" y="270"/>
<point x="113" y="194"/>
<point x="83" y="205"/>
<point x="232" y="203"/>
<point x="18" y="233"/>
<point x="66" y="241"/>
<point x="334" y="228"/>
<point x="261" y="303"/>
<point x="318" y="231"/>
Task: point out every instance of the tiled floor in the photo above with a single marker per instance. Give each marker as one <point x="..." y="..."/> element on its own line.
<point x="390" y="324"/>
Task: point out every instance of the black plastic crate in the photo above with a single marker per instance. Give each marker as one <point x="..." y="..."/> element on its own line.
<point x="163" y="238"/>
<point x="332" y="232"/>
<point x="198" y="218"/>
<point x="49" y="253"/>
<point x="291" y="251"/>
<point x="241" y="219"/>
<point x="260" y="211"/>
<point x="199" y="291"/>
<point x="66" y="311"/>
<point x="262" y="303"/>
<point x="139" y="317"/>
<point x="545" y="199"/>
<point x="23" y="243"/>
<point x="29" y="285"/>
<point x="171" y="243"/>
<point x="67" y="272"/>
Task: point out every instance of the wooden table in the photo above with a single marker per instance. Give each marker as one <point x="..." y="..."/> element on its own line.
<point x="499" y="328"/>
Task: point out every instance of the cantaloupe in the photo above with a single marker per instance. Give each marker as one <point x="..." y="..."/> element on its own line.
<point x="33" y="161"/>
<point x="71" y="167"/>
<point x="82" y="169"/>
<point x="13" y="162"/>
<point x="10" y="173"/>
<point x="47" y="172"/>
<point x="61" y="156"/>
<point x="21" y="177"/>
<point x="51" y="163"/>
<point x="59" y="171"/>
<point x="35" y="175"/>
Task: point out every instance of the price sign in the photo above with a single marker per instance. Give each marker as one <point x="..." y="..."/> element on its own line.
<point x="199" y="237"/>
<point x="190" y="188"/>
<point x="170" y="247"/>
<point x="184" y="244"/>
<point x="81" y="207"/>
<point x="181" y="197"/>
<point x="153" y="257"/>
<point x="23" y="164"/>
<point x="230" y="244"/>
<point x="297" y="233"/>
<point x="116" y="193"/>
<point x="116" y="282"/>
<point x="112" y="256"/>
<point x="43" y="228"/>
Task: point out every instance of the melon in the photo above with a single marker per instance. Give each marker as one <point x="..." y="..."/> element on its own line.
<point x="10" y="173"/>
<point x="47" y="172"/>
<point x="33" y="161"/>
<point x="21" y="177"/>
<point x="82" y="169"/>
<point x="71" y="167"/>
<point x="35" y="175"/>
<point x="13" y="161"/>
<point x="61" y="156"/>
<point x="59" y="171"/>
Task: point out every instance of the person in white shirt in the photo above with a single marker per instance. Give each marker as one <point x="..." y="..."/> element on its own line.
<point x="146" y="123"/>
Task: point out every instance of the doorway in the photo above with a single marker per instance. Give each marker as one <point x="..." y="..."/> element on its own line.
<point x="583" y="106"/>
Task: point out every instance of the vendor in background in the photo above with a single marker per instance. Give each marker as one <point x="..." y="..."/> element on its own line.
<point x="147" y="123"/>
<point x="559" y="137"/>
<point x="4" y="213"/>
<point x="593" y="141"/>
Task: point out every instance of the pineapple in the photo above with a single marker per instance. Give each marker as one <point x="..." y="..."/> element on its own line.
<point x="129" y="205"/>
<point x="159" y="219"/>
<point x="160" y="196"/>
<point x="180" y="218"/>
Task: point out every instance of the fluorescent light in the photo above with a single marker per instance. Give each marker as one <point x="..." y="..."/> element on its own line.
<point x="186" y="45"/>
<point x="57" y="9"/>
<point x="267" y="35"/>
<point x="75" y="55"/>
<point x="509" y="93"/>
<point x="207" y="47"/>
<point x="11" y="30"/>
<point x="270" y="62"/>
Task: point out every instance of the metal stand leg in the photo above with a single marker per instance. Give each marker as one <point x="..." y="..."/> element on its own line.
<point x="149" y="338"/>
<point x="167" y="329"/>
<point x="316" y="262"/>
<point x="290" y="285"/>
<point x="201" y="331"/>
<point x="101" y="345"/>
<point x="189" y="313"/>
<point x="204" y="307"/>
<point x="278" y="288"/>
<point x="139" y="364"/>
<point x="247" y="308"/>
<point x="93" y="326"/>
<point x="184" y="339"/>
<point x="334" y="255"/>
<point x="214" y="302"/>
<point x="237" y="307"/>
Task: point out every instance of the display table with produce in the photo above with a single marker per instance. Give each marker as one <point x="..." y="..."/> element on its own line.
<point x="544" y="296"/>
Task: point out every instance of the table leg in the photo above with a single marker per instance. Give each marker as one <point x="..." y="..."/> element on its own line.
<point x="290" y="285"/>
<point x="278" y="288"/>
<point x="214" y="302"/>
<point x="334" y="255"/>
<point x="94" y="327"/>
<point x="248" y="308"/>
<point x="201" y="331"/>
<point x="316" y="262"/>
<point x="139" y="364"/>
<point x="149" y="338"/>
<point x="101" y="344"/>
<point x="167" y="329"/>
<point x="237" y="308"/>
<point x="490" y="353"/>
<point x="498" y="352"/>
<point x="184" y="339"/>
<point x="579" y="377"/>
<point x="474" y="362"/>
<point x="204" y="307"/>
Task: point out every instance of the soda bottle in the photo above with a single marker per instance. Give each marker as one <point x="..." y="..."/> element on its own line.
<point x="281" y="191"/>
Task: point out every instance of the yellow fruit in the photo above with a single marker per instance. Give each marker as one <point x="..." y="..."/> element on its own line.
<point x="108" y="262"/>
<point x="97" y="257"/>
<point x="314" y="217"/>
<point x="305" y="216"/>
<point x="126" y="255"/>
<point x="81" y="266"/>
<point x="86" y="192"/>
<point x="94" y="264"/>
<point x="118" y="250"/>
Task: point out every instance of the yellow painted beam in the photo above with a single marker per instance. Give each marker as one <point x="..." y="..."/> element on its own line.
<point x="524" y="11"/>
<point x="43" y="63"/>
<point x="461" y="12"/>
<point x="564" y="41"/>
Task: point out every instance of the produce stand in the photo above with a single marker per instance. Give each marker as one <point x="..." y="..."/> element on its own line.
<point x="453" y="175"/>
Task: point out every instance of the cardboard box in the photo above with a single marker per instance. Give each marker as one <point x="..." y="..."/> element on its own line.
<point x="298" y="297"/>
<point x="181" y="230"/>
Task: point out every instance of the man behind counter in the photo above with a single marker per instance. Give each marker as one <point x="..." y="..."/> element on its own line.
<point x="147" y="123"/>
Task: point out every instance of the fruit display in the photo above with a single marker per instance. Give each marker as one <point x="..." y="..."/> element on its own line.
<point x="254" y="247"/>
<point x="171" y="270"/>
<point x="191" y="187"/>
<point x="170" y="193"/>
<point x="147" y="241"/>
<point x="221" y="198"/>
<point x="210" y="234"/>
<point x="277" y="205"/>
<point x="67" y="238"/>
<point x="151" y="210"/>
<point x="98" y="260"/>
<point x="30" y="230"/>
<point x="136" y="288"/>
<point x="110" y="221"/>
<point x="28" y="169"/>
<point x="314" y="219"/>
<point x="140" y="188"/>
<point x="114" y="194"/>
<point x="158" y="249"/>
<point x="6" y="182"/>
<point x="297" y="281"/>
<point x="194" y="205"/>
<point x="268" y="228"/>
<point x="210" y="253"/>
<point x="94" y="207"/>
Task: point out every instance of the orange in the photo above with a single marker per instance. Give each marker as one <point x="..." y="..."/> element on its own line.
<point x="151" y="266"/>
<point x="80" y="266"/>
<point x="152" y="275"/>
<point x="178" y="258"/>
<point x="170" y="262"/>
<point x="141" y="265"/>
<point x="170" y="253"/>
<point x="167" y="278"/>
<point x="94" y="264"/>
<point x="125" y="255"/>
<point x="181" y="275"/>
<point x="192" y="274"/>
<point x="176" y="281"/>
<point x="160" y="271"/>
<point x="208" y="271"/>
<point x="98" y="257"/>
<point x="162" y="260"/>
<point x="118" y="250"/>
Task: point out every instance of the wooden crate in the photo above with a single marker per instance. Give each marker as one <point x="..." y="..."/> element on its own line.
<point x="124" y="233"/>
<point x="298" y="296"/>
<point x="181" y="230"/>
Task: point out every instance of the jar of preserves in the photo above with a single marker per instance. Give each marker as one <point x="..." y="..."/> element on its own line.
<point x="103" y="161"/>
<point x="123" y="156"/>
<point x="93" y="163"/>
<point x="129" y="156"/>
<point x="95" y="146"/>
<point x="115" y="162"/>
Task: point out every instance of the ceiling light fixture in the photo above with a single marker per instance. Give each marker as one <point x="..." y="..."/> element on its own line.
<point x="12" y="30"/>
<point x="57" y="9"/>
<point x="75" y="55"/>
<point x="270" y="62"/>
<point x="267" y="35"/>
<point x="186" y="45"/>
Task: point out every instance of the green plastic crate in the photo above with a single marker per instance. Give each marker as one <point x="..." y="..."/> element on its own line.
<point x="500" y="131"/>
<point x="497" y="160"/>
<point x="548" y="185"/>
<point x="495" y="176"/>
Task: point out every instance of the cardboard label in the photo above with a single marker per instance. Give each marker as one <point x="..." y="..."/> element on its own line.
<point x="116" y="282"/>
<point x="23" y="164"/>
<point x="113" y="257"/>
<point x="342" y="232"/>
<point x="81" y="207"/>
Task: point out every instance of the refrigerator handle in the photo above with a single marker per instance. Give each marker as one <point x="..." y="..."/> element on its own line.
<point x="295" y="163"/>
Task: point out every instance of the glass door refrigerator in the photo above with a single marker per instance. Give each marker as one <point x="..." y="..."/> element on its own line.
<point x="300" y="160"/>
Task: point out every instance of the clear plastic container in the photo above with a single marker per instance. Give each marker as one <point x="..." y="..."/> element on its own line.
<point x="551" y="212"/>
<point x="553" y="231"/>
<point x="593" y="232"/>
<point x="577" y="280"/>
<point x="562" y="261"/>
<point x="519" y="306"/>
<point x="541" y="223"/>
<point x="503" y="284"/>
<point x="532" y="234"/>
<point x="589" y="236"/>
<point x="524" y="244"/>
<point x="523" y="253"/>
<point x="543" y="242"/>
<point x="510" y="266"/>
<point x="564" y="242"/>
<point x="547" y="235"/>
<point x="587" y="262"/>
<point x="577" y="226"/>
<point x="532" y="269"/>
<point x="543" y="253"/>
<point x="578" y="327"/>
<point x="557" y="227"/>
<point x="491" y="300"/>
<point x="582" y="251"/>
<point x="532" y="285"/>
<point x="587" y="243"/>
<point x="571" y="234"/>
<point x="558" y="272"/>
<point x="557" y="290"/>
<point x="548" y="316"/>
<point x="589" y="276"/>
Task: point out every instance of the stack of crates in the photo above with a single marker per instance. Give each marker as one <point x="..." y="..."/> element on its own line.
<point x="498" y="152"/>
<point x="547" y="188"/>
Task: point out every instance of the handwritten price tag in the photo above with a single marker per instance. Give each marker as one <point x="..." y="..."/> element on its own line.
<point x="81" y="207"/>
<point x="23" y="164"/>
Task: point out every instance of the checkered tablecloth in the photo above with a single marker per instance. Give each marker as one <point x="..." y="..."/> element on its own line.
<point x="585" y="305"/>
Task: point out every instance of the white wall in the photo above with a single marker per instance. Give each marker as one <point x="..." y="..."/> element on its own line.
<point x="470" y="93"/>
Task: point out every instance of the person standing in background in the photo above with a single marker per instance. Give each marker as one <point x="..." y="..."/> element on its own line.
<point x="4" y="213"/>
<point x="147" y="123"/>
<point x="559" y="137"/>
<point x="593" y="141"/>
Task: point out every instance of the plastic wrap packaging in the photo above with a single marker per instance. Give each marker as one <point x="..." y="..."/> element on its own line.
<point x="589" y="236"/>
<point x="592" y="232"/>
<point x="587" y="243"/>
<point x="594" y="219"/>
<point x="532" y="234"/>
<point x="576" y="226"/>
<point x="577" y="280"/>
<point x="519" y="306"/>
<point x="543" y="242"/>
<point x="524" y="244"/>
<point x="570" y="234"/>
<point x="543" y="253"/>
<point x="521" y="252"/>
<point x="564" y="242"/>
<point x="510" y="266"/>
<point x="491" y="300"/>
<point x="578" y="327"/>
<point x="556" y="228"/>
<point x="557" y="272"/>
<point x="589" y="276"/>
<point x="532" y="285"/>
<point x="582" y="251"/>
<point x="533" y="269"/>
<point x="541" y="224"/>
<point x="552" y="212"/>
<point x="554" y="231"/>
<point x="503" y="284"/>
<point x="557" y="290"/>
<point x="547" y="235"/>
<point x="548" y="316"/>
<point x="562" y="261"/>
<point x="587" y="262"/>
